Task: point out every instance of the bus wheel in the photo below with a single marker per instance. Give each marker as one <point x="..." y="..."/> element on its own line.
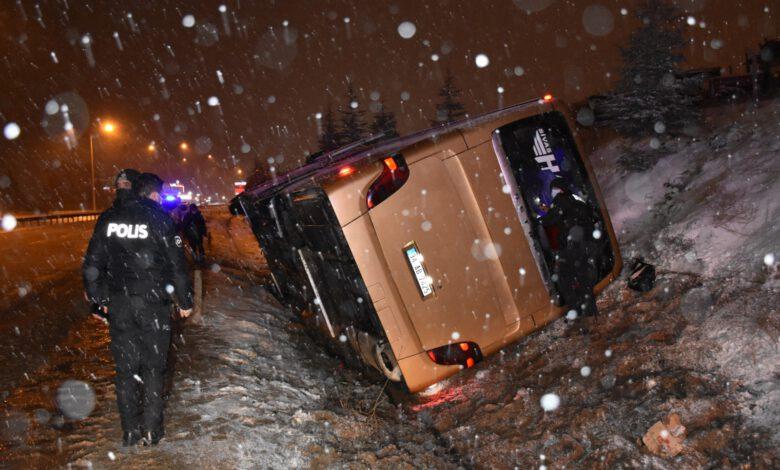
<point x="387" y="363"/>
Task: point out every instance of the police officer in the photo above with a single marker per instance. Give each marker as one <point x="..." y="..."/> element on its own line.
<point x="133" y="267"/>
<point x="124" y="185"/>
<point x="575" y="265"/>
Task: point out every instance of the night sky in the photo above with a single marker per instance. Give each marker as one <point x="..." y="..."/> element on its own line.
<point x="244" y="80"/>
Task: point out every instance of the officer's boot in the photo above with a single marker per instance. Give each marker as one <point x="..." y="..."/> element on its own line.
<point x="152" y="438"/>
<point x="130" y="438"/>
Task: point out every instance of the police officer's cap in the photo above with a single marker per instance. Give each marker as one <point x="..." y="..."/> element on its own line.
<point x="128" y="174"/>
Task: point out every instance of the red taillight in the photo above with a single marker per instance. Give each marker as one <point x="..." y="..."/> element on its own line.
<point x="394" y="175"/>
<point x="548" y="97"/>
<point x="390" y="163"/>
<point x="465" y="354"/>
<point x="346" y="171"/>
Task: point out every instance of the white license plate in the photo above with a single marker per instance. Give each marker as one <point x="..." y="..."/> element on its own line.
<point x="415" y="259"/>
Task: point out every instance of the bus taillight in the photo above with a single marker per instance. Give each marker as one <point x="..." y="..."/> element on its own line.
<point x="465" y="354"/>
<point x="394" y="175"/>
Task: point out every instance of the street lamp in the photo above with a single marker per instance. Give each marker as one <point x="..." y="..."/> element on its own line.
<point x="151" y="147"/>
<point x="108" y="128"/>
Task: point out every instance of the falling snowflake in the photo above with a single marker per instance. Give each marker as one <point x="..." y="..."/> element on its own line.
<point x="550" y="402"/>
<point x="407" y="29"/>
<point x="11" y="130"/>
<point x="8" y="222"/>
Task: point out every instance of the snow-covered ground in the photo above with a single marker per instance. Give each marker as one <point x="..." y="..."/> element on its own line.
<point x="251" y="389"/>
<point x="712" y="207"/>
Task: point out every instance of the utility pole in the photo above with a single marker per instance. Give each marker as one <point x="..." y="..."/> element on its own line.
<point x="92" y="169"/>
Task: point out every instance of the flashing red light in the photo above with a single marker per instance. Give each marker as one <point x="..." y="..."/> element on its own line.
<point x="346" y="171"/>
<point x="432" y="355"/>
<point x="548" y="97"/>
<point x="464" y="346"/>
<point x="470" y="362"/>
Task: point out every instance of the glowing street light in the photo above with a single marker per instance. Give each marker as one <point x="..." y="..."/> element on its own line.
<point x="108" y="127"/>
<point x="151" y="147"/>
<point x="184" y="146"/>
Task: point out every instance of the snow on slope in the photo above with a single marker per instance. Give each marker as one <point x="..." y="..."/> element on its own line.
<point x="712" y="207"/>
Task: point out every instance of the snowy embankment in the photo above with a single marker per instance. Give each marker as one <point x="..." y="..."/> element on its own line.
<point x="250" y="389"/>
<point x="712" y="207"/>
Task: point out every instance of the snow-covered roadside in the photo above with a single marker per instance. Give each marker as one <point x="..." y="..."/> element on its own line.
<point x="251" y="389"/>
<point x="712" y="207"/>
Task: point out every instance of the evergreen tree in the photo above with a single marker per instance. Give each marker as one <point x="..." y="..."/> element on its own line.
<point x="384" y="121"/>
<point x="650" y="98"/>
<point x="450" y="108"/>
<point x="329" y="138"/>
<point x="353" y="125"/>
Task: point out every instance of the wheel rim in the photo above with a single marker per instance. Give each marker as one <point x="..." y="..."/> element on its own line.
<point x="387" y="362"/>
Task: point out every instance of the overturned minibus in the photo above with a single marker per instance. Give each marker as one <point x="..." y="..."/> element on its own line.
<point x="422" y="255"/>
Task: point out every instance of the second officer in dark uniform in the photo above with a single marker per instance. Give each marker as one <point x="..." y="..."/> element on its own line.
<point x="133" y="268"/>
<point x="576" y="251"/>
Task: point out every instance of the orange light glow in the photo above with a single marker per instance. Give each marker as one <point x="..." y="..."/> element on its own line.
<point x="432" y="355"/>
<point x="548" y="97"/>
<point x="184" y="146"/>
<point x="390" y="163"/>
<point x="108" y="127"/>
<point x="464" y="346"/>
<point x="469" y="362"/>
<point x="346" y="171"/>
<point x="151" y="148"/>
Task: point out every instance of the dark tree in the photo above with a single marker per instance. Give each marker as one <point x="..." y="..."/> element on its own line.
<point x="384" y="122"/>
<point x="353" y="125"/>
<point x="329" y="138"/>
<point x="650" y="97"/>
<point x="449" y="108"/>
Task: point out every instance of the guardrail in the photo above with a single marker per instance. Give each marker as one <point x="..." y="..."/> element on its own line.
<point x="66" y="217"/>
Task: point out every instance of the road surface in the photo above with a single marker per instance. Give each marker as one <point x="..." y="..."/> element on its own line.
<point x="42" y="294"/>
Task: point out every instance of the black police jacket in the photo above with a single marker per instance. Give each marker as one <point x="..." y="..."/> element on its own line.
<point x="134" y="251"/>
<point x="574" y="220"/>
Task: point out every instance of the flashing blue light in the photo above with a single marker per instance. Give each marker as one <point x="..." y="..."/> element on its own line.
<point x="170" y="198"/>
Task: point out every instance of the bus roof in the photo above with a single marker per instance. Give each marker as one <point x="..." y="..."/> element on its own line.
<point x="363" y="150"/>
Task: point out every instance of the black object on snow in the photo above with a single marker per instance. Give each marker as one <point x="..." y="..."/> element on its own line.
<point x="642" y="277"/>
